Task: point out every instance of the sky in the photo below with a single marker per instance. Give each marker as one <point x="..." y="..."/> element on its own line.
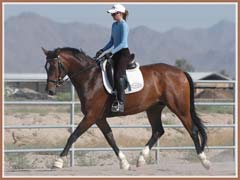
<point x="157" y="16"/>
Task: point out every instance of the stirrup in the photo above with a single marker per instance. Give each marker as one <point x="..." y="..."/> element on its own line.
<point x="117" y="106"/>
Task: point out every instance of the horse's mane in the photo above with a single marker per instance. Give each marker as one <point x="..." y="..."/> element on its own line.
<point x="79" y="54"/>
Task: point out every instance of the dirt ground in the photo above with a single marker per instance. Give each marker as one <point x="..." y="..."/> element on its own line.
<point x="172" y="163"/>
<point x="166" y="168"/>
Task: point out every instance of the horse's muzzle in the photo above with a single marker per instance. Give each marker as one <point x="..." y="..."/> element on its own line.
<point x="51" y="92"/>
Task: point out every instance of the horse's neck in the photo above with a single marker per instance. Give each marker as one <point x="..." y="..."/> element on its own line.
<point x="81" y="73"/>
<point x="77" y="67"/>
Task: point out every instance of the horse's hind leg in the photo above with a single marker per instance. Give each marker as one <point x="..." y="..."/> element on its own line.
<point x="154" y="117"/>
<point x="192" y="123"/>
<point x="107" y="132"/>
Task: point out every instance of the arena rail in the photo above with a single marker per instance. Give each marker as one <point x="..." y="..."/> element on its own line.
<point x="42" y="78"/>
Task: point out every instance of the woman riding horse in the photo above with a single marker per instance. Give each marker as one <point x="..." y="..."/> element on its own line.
<point x="165" y="86"/>
<point x="120" y="52"/>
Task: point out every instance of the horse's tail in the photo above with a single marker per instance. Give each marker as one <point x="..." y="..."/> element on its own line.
<point x="196" y="120"/>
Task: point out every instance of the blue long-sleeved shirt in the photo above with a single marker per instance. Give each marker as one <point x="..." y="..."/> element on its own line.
<point x="119" y="37"/>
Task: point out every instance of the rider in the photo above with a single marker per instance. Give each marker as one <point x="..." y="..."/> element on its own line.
<point x="120" y="53"/>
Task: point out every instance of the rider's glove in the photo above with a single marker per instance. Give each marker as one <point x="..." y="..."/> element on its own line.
<point x="107" y="55"/>
<point x="98" y="61"/>
<point x="99" y="53"/>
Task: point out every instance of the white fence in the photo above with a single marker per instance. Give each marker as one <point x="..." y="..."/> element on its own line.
<point x="72" y="103"/>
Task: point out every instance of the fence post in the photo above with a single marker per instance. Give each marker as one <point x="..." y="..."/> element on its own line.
<point x="72" y="123"/>
<point x="234" y="121"/>
<point x="157" y="152"/>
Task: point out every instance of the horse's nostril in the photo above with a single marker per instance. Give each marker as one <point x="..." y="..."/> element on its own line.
<point x="51" y="92"/>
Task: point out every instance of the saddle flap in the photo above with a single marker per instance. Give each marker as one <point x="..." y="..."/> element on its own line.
<point x="110" y="72"/>
<point x="134" y="77"/>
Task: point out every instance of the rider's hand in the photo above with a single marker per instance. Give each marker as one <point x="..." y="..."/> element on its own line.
<point x="99" y="53"/>
<point x="98" y="61"/>
<point x="107" y="55"/>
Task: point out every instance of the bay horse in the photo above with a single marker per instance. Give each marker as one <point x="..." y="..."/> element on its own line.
<point x="164" y="85"/>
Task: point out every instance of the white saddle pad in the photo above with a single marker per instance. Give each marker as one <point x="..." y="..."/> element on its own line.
<point x="134" y="76"/>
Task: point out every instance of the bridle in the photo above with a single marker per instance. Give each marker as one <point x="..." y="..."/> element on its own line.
<point x="61" y="69"/>
<point x="60" y="80"/>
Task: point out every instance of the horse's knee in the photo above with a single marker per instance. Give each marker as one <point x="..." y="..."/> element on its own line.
<point x="73" y="138"/>
<point x="106" y="131"/>
<point x="110" y="138"/>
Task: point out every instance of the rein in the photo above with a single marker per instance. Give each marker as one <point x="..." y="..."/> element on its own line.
<point x="60" y="81"/>
<point x="76" y="74"/>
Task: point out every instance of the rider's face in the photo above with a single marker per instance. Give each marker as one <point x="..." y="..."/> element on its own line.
<point x="117" y="16"/>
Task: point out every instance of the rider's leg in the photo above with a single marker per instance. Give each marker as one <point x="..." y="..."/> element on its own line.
<point x="121" y="61"/>
<point x="121" y="84"/>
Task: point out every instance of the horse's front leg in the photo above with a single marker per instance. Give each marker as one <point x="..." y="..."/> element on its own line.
<point x="107" y="132"/>
<point x="84" y="125"/>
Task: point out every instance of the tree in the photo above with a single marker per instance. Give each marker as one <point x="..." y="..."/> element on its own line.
<point x="184" y="65"/>
<point x="223" y="72"/>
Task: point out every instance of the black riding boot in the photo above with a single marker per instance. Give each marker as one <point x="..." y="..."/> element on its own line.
<point x="118" y="106"/>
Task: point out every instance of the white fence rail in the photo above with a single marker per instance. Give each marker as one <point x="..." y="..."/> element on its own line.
<point x="42" y="78"/>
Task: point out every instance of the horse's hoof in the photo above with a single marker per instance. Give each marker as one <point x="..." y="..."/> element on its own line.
<point x="206" y="164"/>
<point x="124" y="165"/>
<point x="203" y="158"/>
<point x="58" y="163"/>
<point x="141" y="161"/>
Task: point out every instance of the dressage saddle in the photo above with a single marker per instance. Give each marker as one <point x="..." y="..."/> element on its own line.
<point x="110" y="69"/>
<point x="132" y="64"/>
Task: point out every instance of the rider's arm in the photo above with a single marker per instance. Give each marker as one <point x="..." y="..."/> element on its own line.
<point x="109" y="44"/>
<point x="124" y="38"/>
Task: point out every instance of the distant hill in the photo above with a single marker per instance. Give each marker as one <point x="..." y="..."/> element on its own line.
<point x="209" y="49"/>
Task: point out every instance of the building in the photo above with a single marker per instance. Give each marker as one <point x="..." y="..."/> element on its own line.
<point x="217" y="87"/>
<point x="208" y="76"/>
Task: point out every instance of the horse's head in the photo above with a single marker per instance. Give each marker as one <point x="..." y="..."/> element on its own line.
<point x="55" y="70"/>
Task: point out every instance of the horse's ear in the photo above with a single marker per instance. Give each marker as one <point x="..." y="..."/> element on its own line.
<point x="45" y="51"/>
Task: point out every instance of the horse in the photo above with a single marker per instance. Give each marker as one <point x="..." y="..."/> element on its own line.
<point x="165" y="86"/>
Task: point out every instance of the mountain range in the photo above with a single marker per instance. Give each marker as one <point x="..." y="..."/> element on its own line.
<point x="207" y="49"/>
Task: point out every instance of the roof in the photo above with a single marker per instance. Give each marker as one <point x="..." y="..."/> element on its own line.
<point x="208" y="76"/>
